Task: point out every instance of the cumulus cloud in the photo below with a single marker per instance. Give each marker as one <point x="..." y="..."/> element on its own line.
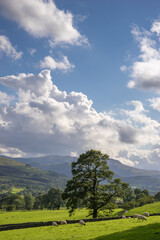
<point x="145" y="72"/>
<point x="43" y="19"/>
<point x="45" y="121"/>
<point x="5" y="99"/>
<point x="127" y="134"/>
<point x="7" y="48"/>
<point x="51" y="63"/>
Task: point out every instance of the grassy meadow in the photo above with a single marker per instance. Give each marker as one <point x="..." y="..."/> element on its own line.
<point x="44" y="215"/>
<point x="151" y="208"/>
<point x="121" y="229"/>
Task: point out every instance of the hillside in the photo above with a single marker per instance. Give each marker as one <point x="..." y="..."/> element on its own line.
<point x="16" y="174"/>
<point x="59" y="164"/>
<point x="127" y="171"/>
<point x="151" y="208"/>
<point x="8" y="162"/>
<point x="136" y="177"/>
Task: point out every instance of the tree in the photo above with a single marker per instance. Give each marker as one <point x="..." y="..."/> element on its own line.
<point x="137" y="191"/>
<point x="29" y="201"/>
<point x="38" y="203"/>
<point x="12" y="202"/>
<point x="146" y="192"/>
<point x="157" y="196"/>
<point x="53" y="199"/>
<point x="92" y="184"/>
<point x="129" y="195"/>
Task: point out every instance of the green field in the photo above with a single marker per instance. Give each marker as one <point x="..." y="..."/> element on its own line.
<point x="122" y="229"/>
<point x="44" y="216"/>
<point x="151" y="208"/>
<point x="16" y="190"/>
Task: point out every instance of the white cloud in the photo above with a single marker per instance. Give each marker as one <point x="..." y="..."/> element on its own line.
<point x="155" y="103"/>
<point x="7" y="48"/>
<point x="43" y="19"/>
<point x="40" y="85"/>
<point x="32" y="51"/>
<point x="51" y="63"/>
<point x="11" y="152"/>
<point x="123" y="68"/>
<point x="5" y="99"/>
<point x="145" y="72"/>
<point x="45" y="120"/>
<point x="156" y="27"/>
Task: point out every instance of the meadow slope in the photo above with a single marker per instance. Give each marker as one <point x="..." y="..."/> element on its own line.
<point x="122" y="229"/>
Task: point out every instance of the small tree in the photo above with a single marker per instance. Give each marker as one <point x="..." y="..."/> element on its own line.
<point x="53" y="199"/>
<point x="92" y="183"/>
<point x="38" y="203"/>
<point x="29" y="201"/>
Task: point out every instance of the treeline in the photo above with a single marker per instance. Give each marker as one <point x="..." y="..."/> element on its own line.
<point x="137" y="197"/>
<point x="53" y="199"/>
<point x="31" y="189"/>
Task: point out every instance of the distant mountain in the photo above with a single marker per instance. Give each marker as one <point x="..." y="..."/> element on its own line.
<point x="59" y="164"/>
<point x="16" y="174"/>
<point x="126" y="171"/>
<point x="152" y="184"/>
<point x="136" y="177"/>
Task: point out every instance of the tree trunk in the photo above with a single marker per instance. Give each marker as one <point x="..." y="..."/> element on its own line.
<point x="95" y="213"/>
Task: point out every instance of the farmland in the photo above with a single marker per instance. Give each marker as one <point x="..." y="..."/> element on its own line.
<point x="122" y="229"/>
<point x="151" y="208"/>
<point x="45" y="215"/>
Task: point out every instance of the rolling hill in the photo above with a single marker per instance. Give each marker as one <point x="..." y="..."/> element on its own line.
<point x="16" y="174"/>
<point x="136" y="177"/>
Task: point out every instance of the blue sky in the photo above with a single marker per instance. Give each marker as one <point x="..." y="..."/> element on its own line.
<point x="76" y="75"/>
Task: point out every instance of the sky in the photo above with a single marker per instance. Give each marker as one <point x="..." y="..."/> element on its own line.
<point x="80" y="75"/>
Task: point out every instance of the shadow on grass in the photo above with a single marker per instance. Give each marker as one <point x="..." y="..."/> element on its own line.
<point x="147" y="232"/>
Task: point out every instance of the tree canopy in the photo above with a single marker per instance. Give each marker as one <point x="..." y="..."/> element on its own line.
<point x="92" y="185"/>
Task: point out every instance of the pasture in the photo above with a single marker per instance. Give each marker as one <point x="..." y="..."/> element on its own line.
<point x="44" y="215"/>
<point x="151" y="208"/>
<point x="122" y="229"/>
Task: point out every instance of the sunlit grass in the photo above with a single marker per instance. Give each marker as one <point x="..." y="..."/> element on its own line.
<point x="16" y="190"/>
<point x="44" y="215"/>
<point x="151" y="208"/>
<point x="122" y="229"/>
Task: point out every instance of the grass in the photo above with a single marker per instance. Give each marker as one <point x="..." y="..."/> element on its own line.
<point x="16" y="190"/>
<point x="57" y="215"/>
<point x="151" y="208"/>
<point x="4" y="161"/>
<point x="122" y="229"/>
<point x="43" y="215"/>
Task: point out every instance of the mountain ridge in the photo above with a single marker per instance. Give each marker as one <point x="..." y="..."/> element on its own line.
<point x="149" y="179"/>
<point x="54" y="160"/>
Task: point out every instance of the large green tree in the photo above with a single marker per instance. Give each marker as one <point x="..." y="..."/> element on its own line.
<point x="92" y="185"/>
